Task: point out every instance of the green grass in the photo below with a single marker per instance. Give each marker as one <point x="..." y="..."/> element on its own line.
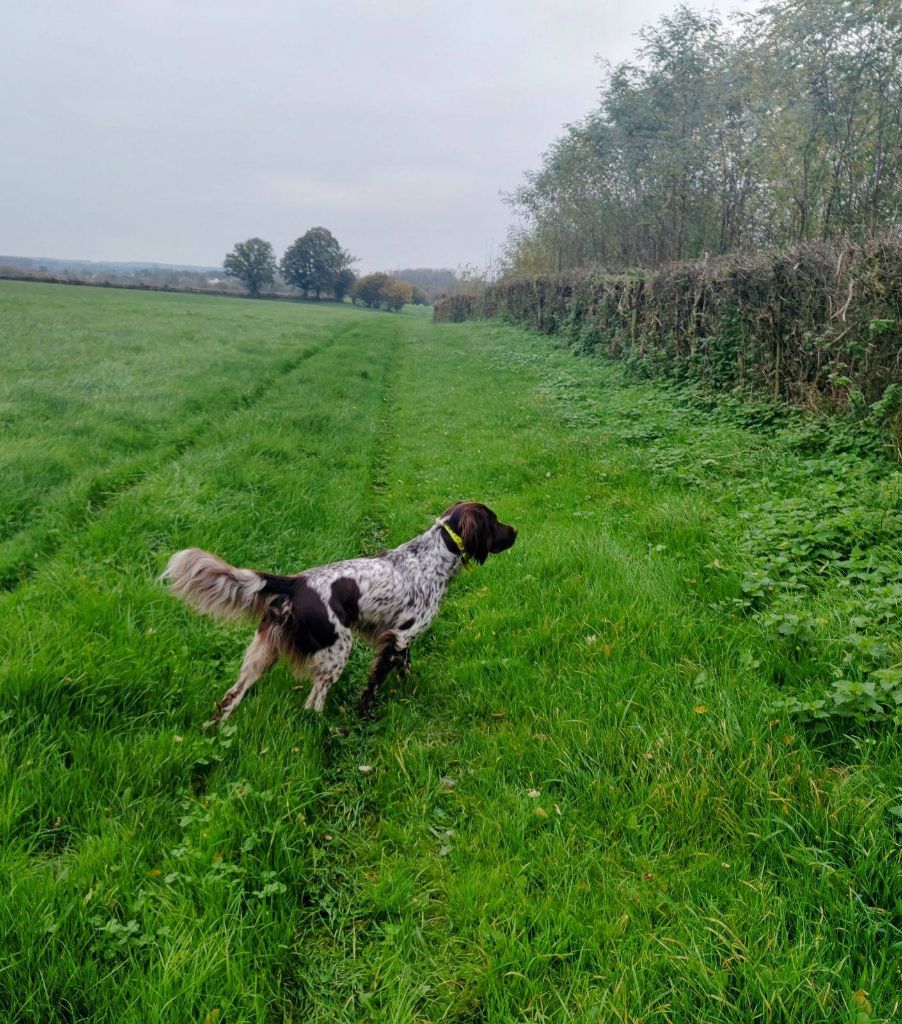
<point x="581" y="806"/>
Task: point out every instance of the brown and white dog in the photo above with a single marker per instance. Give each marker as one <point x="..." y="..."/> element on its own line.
<point x="310" y="618"/>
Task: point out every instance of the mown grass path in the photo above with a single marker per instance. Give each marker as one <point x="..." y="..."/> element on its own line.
<point x="577" y="808"/>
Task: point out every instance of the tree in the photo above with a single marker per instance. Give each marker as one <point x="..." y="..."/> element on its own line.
<point x="343" y="284"/>
<point x="709" y="140"/>
<point x="419" y="297"/>
<point x="254" y="264"/>
<point x="314" y="261"/>
<point x="368" y="289"/>
<point x="395" y="293"/>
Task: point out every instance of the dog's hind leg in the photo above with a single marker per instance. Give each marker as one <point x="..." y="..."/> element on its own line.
<point x="260" y="656"/>
<point x="325" y="668"/>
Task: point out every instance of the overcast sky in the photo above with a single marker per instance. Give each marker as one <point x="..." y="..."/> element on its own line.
<point x="167" y="131"/>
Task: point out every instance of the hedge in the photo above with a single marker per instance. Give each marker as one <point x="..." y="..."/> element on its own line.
<point x="818" y="325"/>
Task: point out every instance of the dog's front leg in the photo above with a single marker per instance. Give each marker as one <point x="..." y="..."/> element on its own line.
<point x="401" y="662"/>
<point x="327" y="667"/>
<point x="390" y="656"/>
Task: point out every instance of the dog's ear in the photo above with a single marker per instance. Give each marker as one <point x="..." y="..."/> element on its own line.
<point x="473" y="523"/>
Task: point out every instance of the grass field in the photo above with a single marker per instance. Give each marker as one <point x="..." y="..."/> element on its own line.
<point x="582" y="806"/>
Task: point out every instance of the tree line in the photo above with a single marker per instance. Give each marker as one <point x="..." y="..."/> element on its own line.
<point x="316" y="265"/>
<point x="784" y="130"/>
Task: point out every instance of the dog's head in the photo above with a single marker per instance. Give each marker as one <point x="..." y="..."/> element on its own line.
<point x="478" y="527"/>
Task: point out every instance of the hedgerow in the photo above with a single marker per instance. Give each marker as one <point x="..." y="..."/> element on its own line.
<point x="817" y="325"/>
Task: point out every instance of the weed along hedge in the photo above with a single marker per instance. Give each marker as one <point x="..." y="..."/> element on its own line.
<point x="816" y="325"/>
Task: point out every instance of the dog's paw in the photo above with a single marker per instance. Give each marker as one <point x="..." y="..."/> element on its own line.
<point x="401" y="664"/>
<point x="219" y="716"/>
<point x="365" y="710"/>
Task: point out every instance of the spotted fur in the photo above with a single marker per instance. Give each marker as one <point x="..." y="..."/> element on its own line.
<point x="311" y="618"/>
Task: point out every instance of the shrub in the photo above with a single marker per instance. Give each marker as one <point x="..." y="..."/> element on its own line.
<point x="368" y="289"/>
<point x="395" y="293"/>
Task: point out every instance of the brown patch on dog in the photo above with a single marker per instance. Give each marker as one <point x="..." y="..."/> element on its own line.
<point x="301" y="614"/>
<point x="345" y="600"/>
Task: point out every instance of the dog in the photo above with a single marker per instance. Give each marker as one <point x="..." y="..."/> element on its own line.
<point x="310" y="618"/>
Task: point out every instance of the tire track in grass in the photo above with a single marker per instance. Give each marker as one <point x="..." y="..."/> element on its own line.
<point x="345" y="809"/>
<point x="22" y="553"/>
<point x="374" y="523"/>
<point x="374" y="527"/>
<point x="349" y="806"/>
<point x="107" y="682"/>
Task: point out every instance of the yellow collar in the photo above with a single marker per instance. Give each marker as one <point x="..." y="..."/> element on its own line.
<point x="457" y="540"/>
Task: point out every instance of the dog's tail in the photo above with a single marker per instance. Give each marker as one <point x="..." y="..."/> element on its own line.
<point x="213" y="587"/>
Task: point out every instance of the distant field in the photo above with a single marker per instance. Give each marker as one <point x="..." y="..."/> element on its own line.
<point x="581" y="806"/>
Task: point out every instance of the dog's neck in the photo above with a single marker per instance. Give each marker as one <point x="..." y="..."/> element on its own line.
<point x="436" y="547"/>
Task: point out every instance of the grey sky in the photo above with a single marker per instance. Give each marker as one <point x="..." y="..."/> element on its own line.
<point x="167" y="131"/>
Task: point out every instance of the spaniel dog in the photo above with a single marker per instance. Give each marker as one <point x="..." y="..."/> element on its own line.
<point x="310" y="618"/>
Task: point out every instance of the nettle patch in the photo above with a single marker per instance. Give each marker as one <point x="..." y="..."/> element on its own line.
<point x="825" y="572"/>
